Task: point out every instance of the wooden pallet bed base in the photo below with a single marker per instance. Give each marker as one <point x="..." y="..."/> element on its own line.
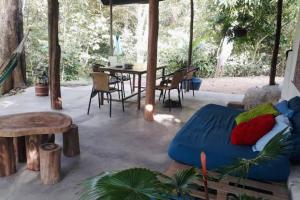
<point x="220" y="190"/>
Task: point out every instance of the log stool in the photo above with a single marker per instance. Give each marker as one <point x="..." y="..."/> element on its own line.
<point x="71" y="146"/>
<point x="7" y="157"/>
<point x="50" y="155"/>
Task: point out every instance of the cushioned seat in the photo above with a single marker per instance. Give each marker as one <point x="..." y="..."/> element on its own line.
<point x="209" y="130"/>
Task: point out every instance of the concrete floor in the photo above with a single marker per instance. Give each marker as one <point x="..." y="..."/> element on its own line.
<point x="123" y="141"/>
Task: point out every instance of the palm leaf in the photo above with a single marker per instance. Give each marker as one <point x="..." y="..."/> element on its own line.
<point x="131" y="184"/>
<point x="181" y="182"/>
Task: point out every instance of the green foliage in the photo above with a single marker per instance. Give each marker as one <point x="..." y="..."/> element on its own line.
<point x="84" y="35"/>
<point x="138" y="184"/>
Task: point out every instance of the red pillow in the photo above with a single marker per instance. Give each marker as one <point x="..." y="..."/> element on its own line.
<point x="248" y="133"/>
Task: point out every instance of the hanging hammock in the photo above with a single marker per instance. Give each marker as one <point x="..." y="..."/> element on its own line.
<point x="8" y="67"/>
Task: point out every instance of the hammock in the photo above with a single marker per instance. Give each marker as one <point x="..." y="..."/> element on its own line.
<point x="8" y="67"/>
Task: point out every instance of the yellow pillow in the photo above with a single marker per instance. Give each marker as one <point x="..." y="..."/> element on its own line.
<point x="263" y="109"/>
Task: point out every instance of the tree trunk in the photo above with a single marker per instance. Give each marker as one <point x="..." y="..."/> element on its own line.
<point x="141" y="33"/>
<point x="152" y="59"/>
<point x="191" y="34"/>
<point x="277" y="43"/>
<point x="111" y="28"/>
<point x="54" y="55"/>
<point x="11" y="32"/>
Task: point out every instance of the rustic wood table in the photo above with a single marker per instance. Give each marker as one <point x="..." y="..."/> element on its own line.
<point x="36" y="128"/>
<point x="137" y="70"/>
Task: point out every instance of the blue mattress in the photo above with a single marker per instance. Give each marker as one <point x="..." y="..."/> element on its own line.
<point x="209" y="130"/>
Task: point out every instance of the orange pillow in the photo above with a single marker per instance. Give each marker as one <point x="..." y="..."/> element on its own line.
<point x="248" y="133"/>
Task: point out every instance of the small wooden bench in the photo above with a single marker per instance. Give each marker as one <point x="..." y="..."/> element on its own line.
<point x="36" y="128"/>
<point x="230" y="186"/>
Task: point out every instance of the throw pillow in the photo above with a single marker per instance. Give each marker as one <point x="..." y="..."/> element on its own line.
<point x="282" y="123"/>
<point x="283" y="108"/>
<point x="248" y="133"/>
<point x="263" y="109"/>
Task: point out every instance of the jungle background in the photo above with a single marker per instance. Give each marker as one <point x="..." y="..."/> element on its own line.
<point x="232" y="38"/>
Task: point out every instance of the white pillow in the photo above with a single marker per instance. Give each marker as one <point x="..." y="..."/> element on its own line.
<point x="282" y="122"/>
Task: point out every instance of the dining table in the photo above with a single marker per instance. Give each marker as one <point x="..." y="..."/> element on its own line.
<point x="137" y="70"/>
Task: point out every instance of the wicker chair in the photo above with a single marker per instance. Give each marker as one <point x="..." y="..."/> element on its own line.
<point x="173" y="83"/>
<point x="101" y="84"/>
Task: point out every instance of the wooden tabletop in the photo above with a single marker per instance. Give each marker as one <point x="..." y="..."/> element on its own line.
<point x="24" y="124"/>
<point x="136" y="69"/>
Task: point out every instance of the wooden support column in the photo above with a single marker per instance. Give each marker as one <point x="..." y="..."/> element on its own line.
<point x="111" y="27"/>
<point x="54" y="55"/>
<point x="191" y="34"/>
<point x="152" y="59"/>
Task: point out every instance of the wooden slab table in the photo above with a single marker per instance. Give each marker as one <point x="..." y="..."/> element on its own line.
<point x="36" y="128"/>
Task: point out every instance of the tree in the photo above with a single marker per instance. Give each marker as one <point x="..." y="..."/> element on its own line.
<point x="191" y="34"/>
<point x="11" y="32"/>
<point x="277" y="43"/>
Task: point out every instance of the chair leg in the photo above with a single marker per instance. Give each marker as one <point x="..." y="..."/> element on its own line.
<point x="170" y="105"/>
<point x="181" y="88"/>
<point x="99" y="101"/>
<point x="193" y="87"/>
<point x="161" y="94"/>
<point x="164" y="96"/>
<point x="107" y="98"/>
<point x="88" y="112"/>
<point x="119" y="90"/>
<point x="110" y="101"/>
<point x="130" y="83"/>
<point x="179" y="97"/>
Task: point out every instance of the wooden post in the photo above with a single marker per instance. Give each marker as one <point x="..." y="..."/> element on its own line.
<point x="111" y="27"/>
<point x="191" y="35"/>
<point x="7" y="157"/>
<point x="50" y="155"/>
<point x="54" y="55"/>
<point x="152" y="59"/>
<point x="71" y="145"/>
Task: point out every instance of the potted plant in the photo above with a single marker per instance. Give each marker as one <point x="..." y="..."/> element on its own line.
<point x="41" y="83"/>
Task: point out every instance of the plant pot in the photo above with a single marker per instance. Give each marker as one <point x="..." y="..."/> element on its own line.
<point x="41" y="90"/>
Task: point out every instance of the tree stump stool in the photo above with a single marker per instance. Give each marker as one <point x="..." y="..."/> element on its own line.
<point x="7" y="157"/>
<point x="71" y="146"/>
<point x="50" y="155"/>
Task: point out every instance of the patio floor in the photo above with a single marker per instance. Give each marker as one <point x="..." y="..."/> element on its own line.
<point x="123" y="141"/>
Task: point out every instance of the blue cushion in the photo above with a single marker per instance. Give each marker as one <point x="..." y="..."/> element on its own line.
<point x="209" y="130"/>
<point x="294" y="104"/>
<point x="284" y="109"/>
<point x="295" y="157"/>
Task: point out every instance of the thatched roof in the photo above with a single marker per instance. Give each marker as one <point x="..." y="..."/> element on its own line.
<point x="123" y="2"/>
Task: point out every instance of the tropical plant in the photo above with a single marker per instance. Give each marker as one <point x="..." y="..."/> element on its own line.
<point x="144" y="184"/>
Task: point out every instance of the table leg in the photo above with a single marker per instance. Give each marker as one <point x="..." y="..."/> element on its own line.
<point x="7" y="157"/>
<point x="133" y="83"/>
<point x="20" y="149"/>
<point x="71" y="145"/>
<point x="139" y="91"/>
<point x="33" y="143"/>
